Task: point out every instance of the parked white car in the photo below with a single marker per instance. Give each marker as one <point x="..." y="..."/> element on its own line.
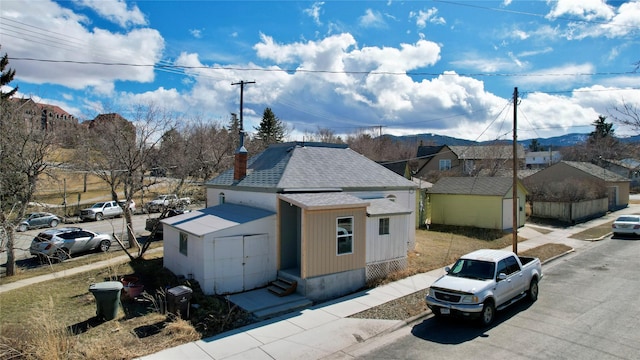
<point x="626" y="224"/>
<point x="61" y="243"/>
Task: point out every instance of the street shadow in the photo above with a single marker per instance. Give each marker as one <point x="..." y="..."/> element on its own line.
<point x="625" y="237"/>
<point x="454" y="330"/>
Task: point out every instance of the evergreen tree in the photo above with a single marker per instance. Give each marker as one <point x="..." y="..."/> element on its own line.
<point x="271" y="129"/>
<point x="6" y="77"/>
<point x="603" y="129"/>
<point x="535" y="145"/>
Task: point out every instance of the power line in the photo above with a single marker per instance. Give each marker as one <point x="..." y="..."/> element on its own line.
<point x="373" y="72"/>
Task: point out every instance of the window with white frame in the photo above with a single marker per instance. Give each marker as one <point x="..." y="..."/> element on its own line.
<point x="445" y="164"/>
<point x="221" y="198"/>
<point x="383" y="226"/>
<point x="344" y="235"/>
<point x="184" y="237"/>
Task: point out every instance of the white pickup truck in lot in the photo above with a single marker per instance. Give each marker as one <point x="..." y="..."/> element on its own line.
<point x="482" y="282"/>
<point x="166" y="200"/>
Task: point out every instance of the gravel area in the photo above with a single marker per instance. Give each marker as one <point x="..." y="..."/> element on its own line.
<point x="399" y="309"/>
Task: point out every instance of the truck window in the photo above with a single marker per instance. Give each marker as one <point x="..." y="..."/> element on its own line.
<point x="512" y="265"/>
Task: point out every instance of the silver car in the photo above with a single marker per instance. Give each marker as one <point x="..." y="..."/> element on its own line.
<point x="626" y="224"/>
<point x="38" y="220"/>
<point x="60" y="244"/>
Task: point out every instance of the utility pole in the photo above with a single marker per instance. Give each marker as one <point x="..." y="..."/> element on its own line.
<point x="515" y="171"/>
<point x="242" y="83"/>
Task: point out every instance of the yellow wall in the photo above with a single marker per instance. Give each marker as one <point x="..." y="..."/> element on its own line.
<point x="467" y="210"/>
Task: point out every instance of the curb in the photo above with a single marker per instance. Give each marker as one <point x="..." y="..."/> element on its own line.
<point x="417" y="318"/>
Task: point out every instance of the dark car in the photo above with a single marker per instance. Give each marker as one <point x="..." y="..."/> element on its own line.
<point x="61" y="243"/>
<point x="155" y="227"/>
<point x="38" y="220"/>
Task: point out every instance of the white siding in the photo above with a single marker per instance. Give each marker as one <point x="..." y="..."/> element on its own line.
<point x="267" y="201"/>
<point x="391" y="246"/>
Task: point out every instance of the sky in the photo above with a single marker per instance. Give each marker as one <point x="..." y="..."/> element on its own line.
<point x="382" y="67"/>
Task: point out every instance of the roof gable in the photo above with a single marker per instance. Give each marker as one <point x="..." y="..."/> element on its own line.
<point x="591" y="169"/>
<point x="487" y="152"/>
<point x="494" y="186"/>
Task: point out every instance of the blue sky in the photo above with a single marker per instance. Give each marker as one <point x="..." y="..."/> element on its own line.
<point x="400" y="67"/>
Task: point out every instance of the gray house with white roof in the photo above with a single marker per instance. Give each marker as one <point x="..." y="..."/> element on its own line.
<point x="318" y="214"/>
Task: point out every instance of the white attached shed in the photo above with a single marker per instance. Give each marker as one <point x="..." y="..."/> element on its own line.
<point x="227" y="248"/>
<point x="388" y="224"/>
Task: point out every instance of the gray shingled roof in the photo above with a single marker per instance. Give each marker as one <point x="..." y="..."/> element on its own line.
<point x="323" y="200"/>
<point x="472" y="186"/>
<point x="595" y="170"/>
<point x="312" y="166"/>
<point x="483" y="152"/>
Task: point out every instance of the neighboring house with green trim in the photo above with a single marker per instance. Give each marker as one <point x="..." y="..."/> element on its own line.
<point x="316" y="213"/>
<point x="482" y="202"/>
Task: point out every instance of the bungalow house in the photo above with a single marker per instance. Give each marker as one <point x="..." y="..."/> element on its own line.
<point x="487" y="159"/>
<point x="320" y="215"/>
<point x="584" y="172"/>
<point x="541" y="159"/>
<point x="483" y="202"/>
<point x="435" y="161"/>
<point x="628" y="168"/>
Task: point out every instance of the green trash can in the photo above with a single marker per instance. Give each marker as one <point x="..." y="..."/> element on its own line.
<point x="107" y="296"/>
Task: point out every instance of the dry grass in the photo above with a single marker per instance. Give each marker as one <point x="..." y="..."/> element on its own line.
<point x="56" y="319"/>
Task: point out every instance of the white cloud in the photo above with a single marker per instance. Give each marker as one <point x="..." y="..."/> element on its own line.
<point x="599" y="18"/>
<point x="69" y="41"/>
<point x="424" y="17"/>
<point x="584" y="9"/>
<point x="196" y="33"/>
<point x="314" y="11"/>
<point x="371" y="19"/>
<point x="116" y="11"/>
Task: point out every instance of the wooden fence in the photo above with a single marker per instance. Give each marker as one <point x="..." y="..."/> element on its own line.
<point x="570" y="212"/>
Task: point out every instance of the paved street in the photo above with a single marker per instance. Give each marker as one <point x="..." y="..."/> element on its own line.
<point x="589" y="308"/>
<point x="109" y="226"/>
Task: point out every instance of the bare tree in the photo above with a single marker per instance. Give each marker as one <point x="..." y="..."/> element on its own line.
<point x="119" y="152"/>
<point x="25" y="148"/>
<point x="627" y="114"/>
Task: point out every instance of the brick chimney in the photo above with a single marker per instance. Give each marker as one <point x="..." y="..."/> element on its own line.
<point x="240" y="164"/>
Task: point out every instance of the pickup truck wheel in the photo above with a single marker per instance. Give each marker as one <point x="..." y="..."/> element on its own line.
<point x="99" y="217"/>
<point x="533" y="290"/>
<point x="488" y="313"/>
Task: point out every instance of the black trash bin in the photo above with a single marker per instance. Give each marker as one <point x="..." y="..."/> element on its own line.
<point x="107" y="296"/>
<point x="179" y="301"/>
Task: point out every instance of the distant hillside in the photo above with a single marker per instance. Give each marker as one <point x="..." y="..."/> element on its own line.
<point x="554" y="142"/>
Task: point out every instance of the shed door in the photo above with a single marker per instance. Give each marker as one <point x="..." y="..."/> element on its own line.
<point x="228" y="261"/>
<point x="256" y="261"/>
<point x="241" y="263"/>
<point x="507" y="213"/>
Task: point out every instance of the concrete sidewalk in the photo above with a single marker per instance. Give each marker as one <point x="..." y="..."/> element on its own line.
<point x="325" y="330"/>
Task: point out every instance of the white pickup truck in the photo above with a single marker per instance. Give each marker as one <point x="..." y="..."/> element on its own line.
<point x="167" y="200"/>
<point x="482" y="282"/>
<point x="101" y="210"/>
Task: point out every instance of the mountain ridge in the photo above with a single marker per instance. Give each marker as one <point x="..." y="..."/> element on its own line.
<point x="554" y="142"/>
